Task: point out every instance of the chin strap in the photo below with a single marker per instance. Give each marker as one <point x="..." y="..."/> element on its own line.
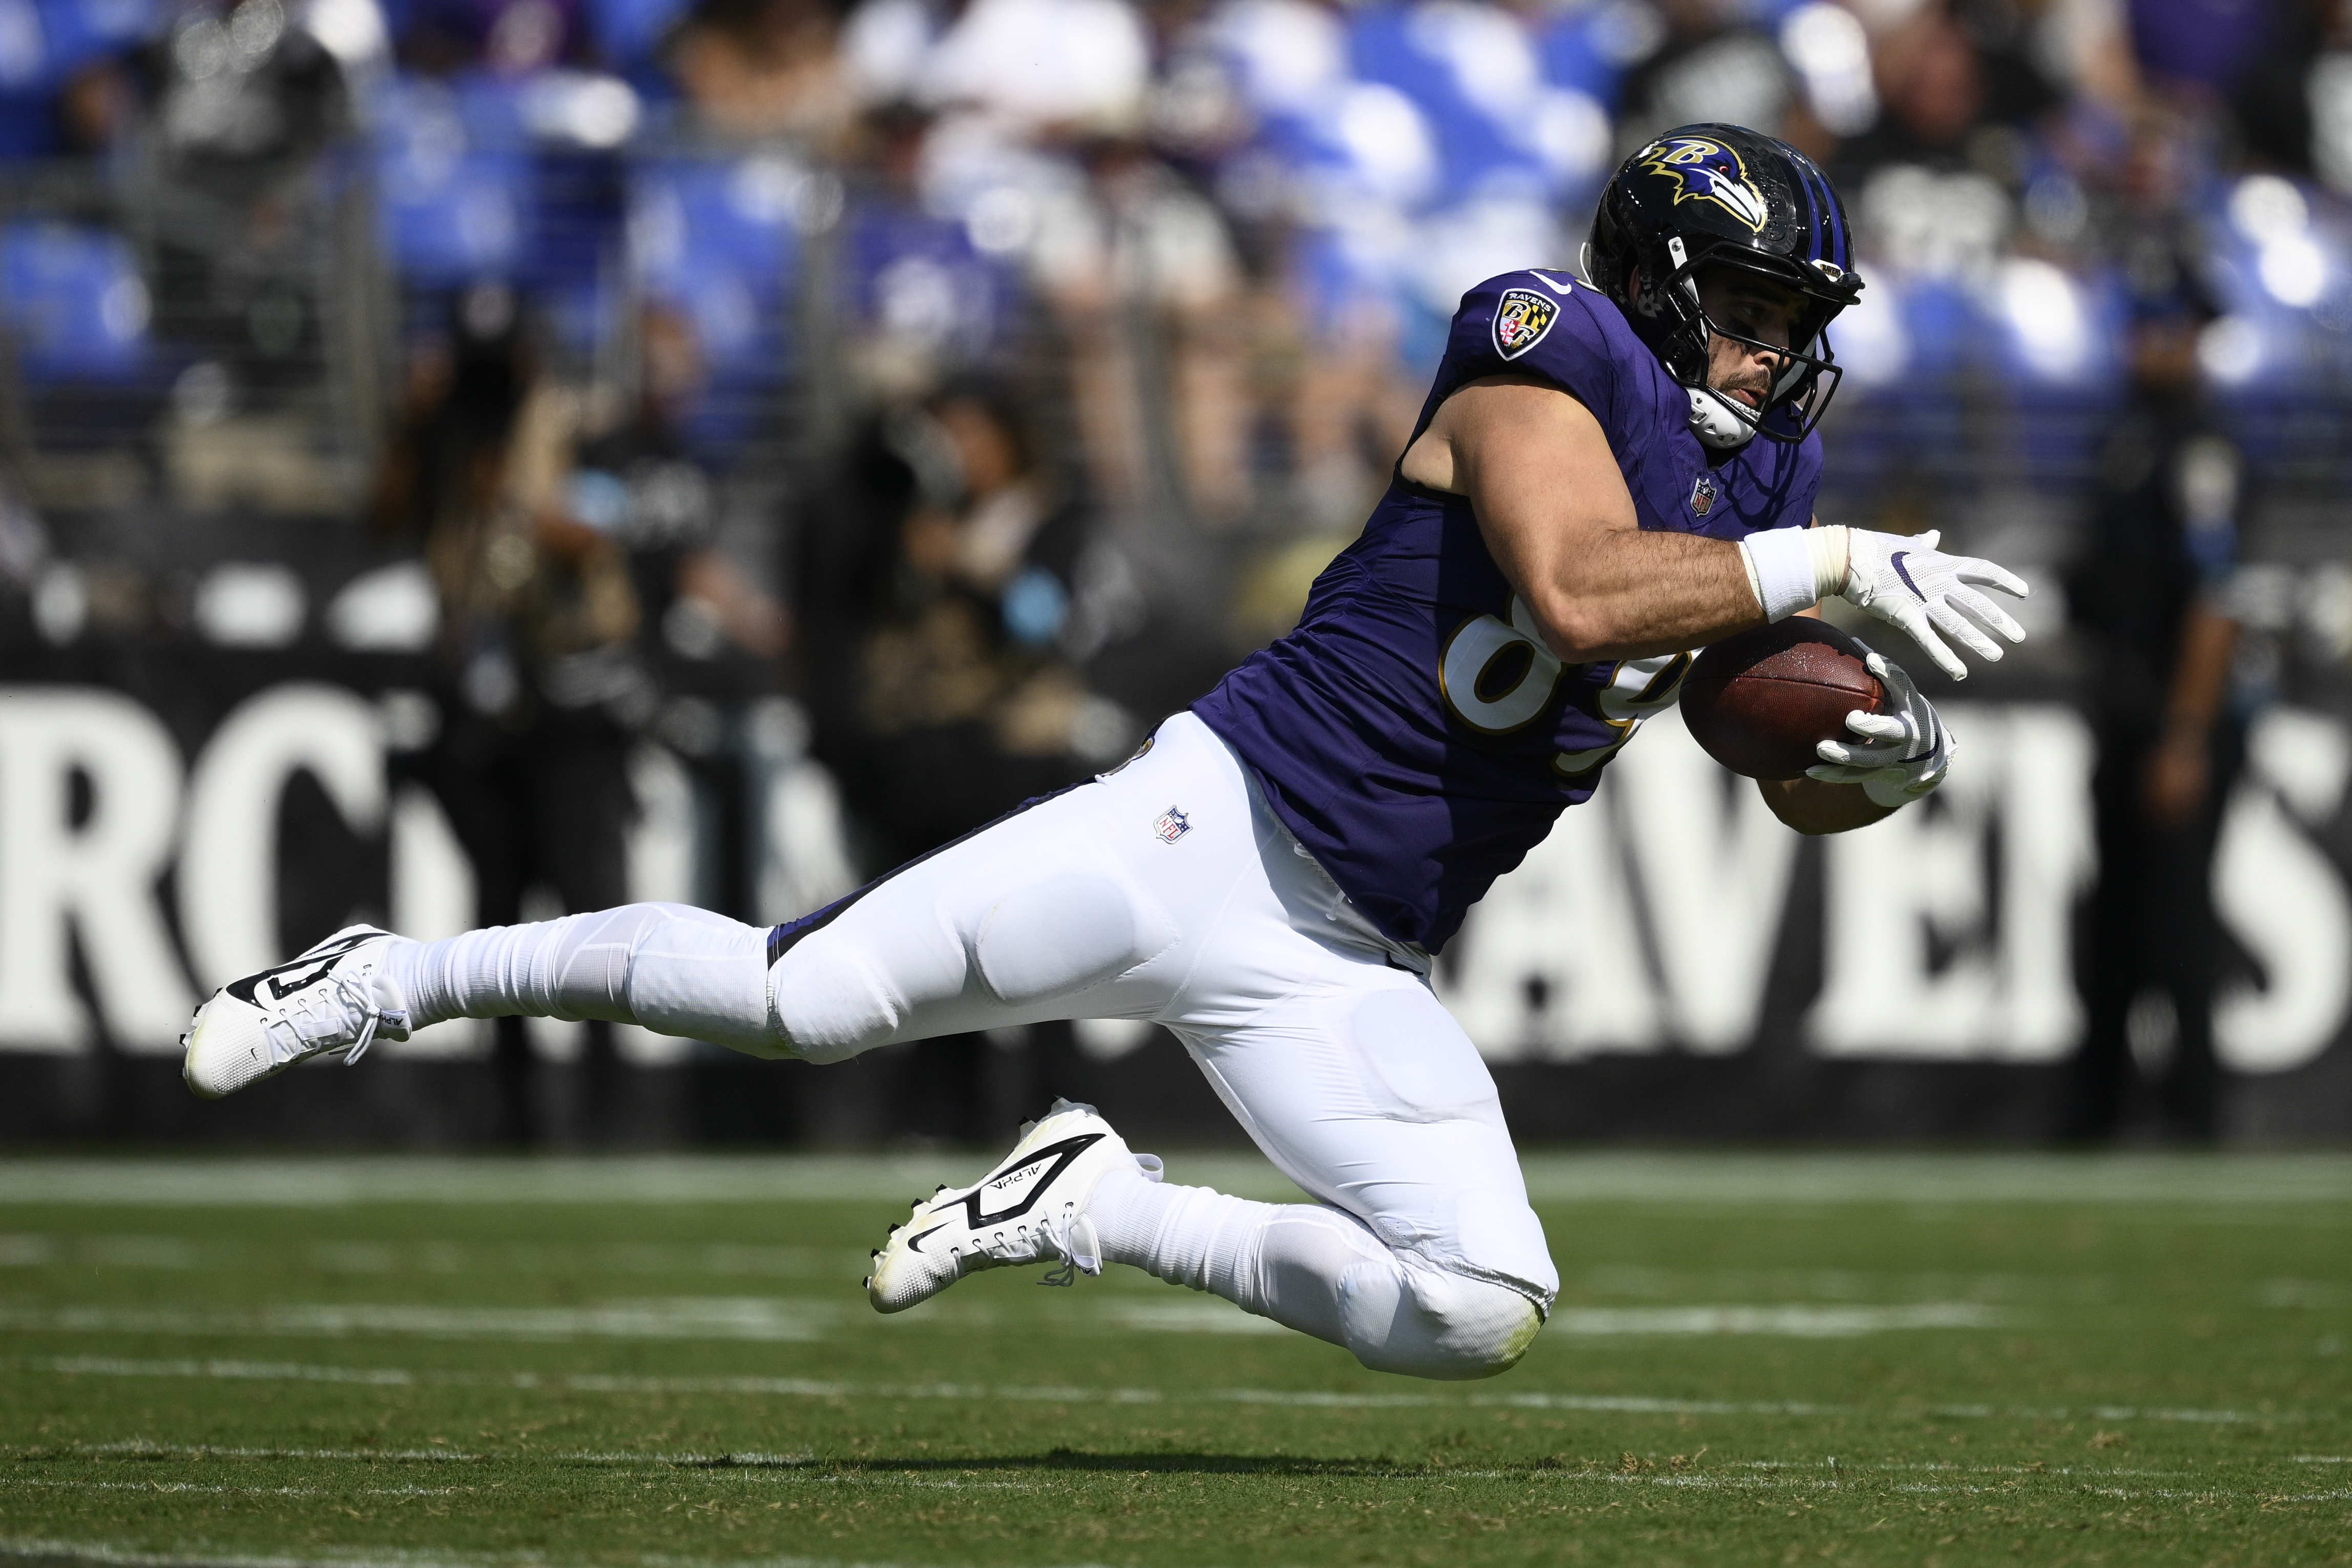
<point x="1714" y="424"/>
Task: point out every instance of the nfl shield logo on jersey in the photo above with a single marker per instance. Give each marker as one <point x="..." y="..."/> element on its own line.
<point x="1521" y="319"/>
<point x="1703" y="493"/>
<point x="1172" y="825"/>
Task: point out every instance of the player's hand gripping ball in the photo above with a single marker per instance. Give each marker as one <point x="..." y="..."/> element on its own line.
<point x="1903" y="751"/>
<point x="1763" y="702"/>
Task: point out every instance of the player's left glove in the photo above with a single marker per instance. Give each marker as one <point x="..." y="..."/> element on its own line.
<point x="1909" y="583"/>
<point x="1904" y="751"/>
<point x="1905" y="582"/>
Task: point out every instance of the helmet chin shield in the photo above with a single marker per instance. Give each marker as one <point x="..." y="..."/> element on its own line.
<point x="1719" y="421"/>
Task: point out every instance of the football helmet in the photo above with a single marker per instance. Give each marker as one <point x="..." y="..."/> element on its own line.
<point x="1724" y="196"/>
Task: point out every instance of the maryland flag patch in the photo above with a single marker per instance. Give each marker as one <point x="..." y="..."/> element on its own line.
<point x="1521" y="319"/>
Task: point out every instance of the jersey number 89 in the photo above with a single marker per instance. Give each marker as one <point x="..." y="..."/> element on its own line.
<point x="1497" y="677"/>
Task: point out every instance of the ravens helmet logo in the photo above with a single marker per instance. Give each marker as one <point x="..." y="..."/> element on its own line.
<point x="1707" y="170"/>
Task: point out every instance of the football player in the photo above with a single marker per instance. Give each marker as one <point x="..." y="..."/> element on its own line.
<point x="1612" y="468"/>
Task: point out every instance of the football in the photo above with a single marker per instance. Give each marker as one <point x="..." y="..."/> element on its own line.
<point x="1759" y="702"/>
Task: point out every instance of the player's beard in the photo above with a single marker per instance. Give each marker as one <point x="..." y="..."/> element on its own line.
<point x="1756" y="384"/>
<point x="1747" y="378"/>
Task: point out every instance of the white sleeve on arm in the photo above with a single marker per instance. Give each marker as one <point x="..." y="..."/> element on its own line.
<point x="1794" y="569"/>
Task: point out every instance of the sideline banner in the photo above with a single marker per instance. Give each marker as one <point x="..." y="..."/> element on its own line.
<point x="1671" y="962"/>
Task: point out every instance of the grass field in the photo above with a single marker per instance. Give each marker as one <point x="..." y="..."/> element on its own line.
<point x="667" y="1364"/>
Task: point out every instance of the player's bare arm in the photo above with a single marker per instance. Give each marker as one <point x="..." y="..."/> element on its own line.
<point x="1553" y="508"/>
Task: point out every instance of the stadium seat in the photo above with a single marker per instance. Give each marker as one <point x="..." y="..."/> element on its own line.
<point x="628" y="34"/>
<point x="717" y="239"/>
<point x="1438" y="54"/>
<point x="75" y="32"/>
<point x="73" y="300"/>
<point x="451" y="209"/>
<point x="42" y="44"/>
<point x="1588" y="48"/>
<point x="917" y="277"/>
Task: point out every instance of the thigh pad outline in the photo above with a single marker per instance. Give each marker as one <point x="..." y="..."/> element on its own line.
<point x="1422" y="1068"/>
<point x="1061" y="931"/>
<point x="908" y="960"/>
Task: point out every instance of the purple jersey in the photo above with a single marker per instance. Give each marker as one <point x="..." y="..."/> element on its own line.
<point x="1413" y="731"/>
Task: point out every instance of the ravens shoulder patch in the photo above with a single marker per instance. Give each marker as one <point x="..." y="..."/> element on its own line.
<point x="1521" y="319"/>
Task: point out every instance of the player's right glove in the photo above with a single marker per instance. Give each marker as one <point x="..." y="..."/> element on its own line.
<point x="1904" y="750"/>
<point x="1909" y="583"/>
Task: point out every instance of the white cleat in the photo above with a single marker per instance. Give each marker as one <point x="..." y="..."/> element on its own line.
<point x="1031" y="1208"/>
<point x="334" y="998"/>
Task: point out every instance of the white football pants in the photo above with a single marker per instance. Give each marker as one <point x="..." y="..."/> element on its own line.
<point x="1165" y="891"/>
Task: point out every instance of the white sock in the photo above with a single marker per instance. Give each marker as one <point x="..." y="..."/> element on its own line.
<point x="672" y="969"/>
<point x="1287" y="1262"/>
<point x="1319" y="1271"/>
<point x="1191" y="1236"/>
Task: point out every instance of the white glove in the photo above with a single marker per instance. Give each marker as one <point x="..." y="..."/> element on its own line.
<point x="1909" y="582"/>
<point x="1904" y="751"/>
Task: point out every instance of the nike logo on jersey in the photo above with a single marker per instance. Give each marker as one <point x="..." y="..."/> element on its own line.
<point x="281" y="989"/>
<point x="1562" y="290"/>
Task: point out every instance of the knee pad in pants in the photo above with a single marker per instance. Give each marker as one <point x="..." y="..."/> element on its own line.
<point x="1426" y="1322"/>
<point x="1324" y="1273"/>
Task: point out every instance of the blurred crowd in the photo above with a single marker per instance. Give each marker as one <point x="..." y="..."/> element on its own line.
<point x="989" y="373"/>
<point x="1289" y="194"/>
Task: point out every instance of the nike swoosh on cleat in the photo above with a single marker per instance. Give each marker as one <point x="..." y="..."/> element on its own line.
<point x="243" y="989"/>
<point x="915" y="1243"/>
<point x="280" y="988"/>
<point x="1062" y="1153"/>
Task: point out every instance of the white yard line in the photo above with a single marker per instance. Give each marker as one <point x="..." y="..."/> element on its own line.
<point x="2259" y="1180"/>
<point x="257" y="1371"/>
<point x="311" y="1183"/>
<point x="116" y="1556"/>
<point x="686" y="1318"/>
<point x="1786" y="1321"/>
<point x="40" y="1481"/>
<point x="802" y="1320"/>
<point x="823" y="1388"/>
<point x="1208" y="1315"/>
<point x="140" y="1446"/>
<point x="429" y="1256"/>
